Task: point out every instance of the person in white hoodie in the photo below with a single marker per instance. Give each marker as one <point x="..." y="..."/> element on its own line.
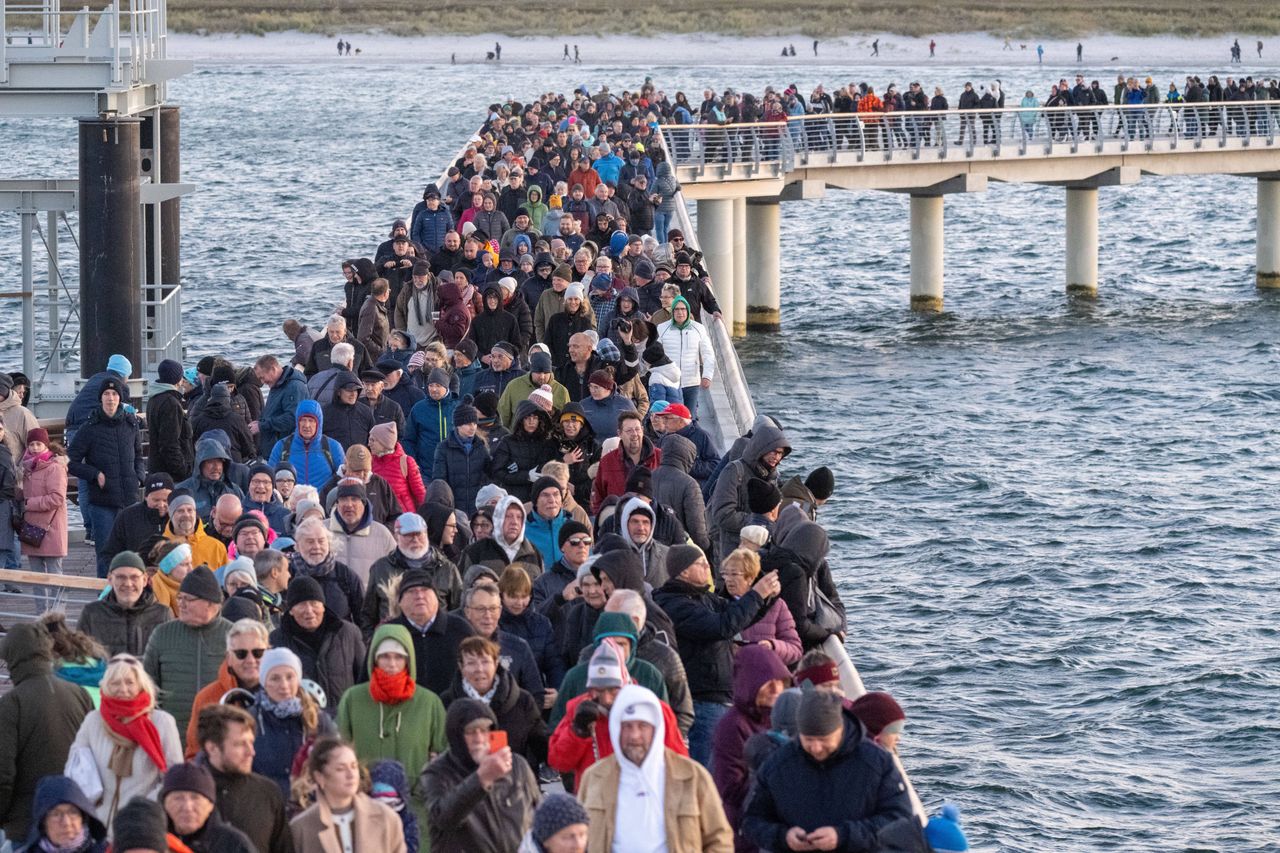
<point x="687" y="343"/>
<point x="508" y="544"/>
<point x="636" y="526"/>
<point x="644" y="797"/>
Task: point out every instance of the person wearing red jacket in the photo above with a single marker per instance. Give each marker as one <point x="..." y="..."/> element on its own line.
<point x="582" y="737"/>
<point x="634" y="450"/>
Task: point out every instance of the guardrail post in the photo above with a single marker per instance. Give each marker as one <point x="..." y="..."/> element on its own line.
<point x="763" y="269"/>
<point x="1268" y="233"/>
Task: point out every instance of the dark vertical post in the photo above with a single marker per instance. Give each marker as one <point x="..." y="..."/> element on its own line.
<point x="110" y="242"/>
<point x="170" y="215"/>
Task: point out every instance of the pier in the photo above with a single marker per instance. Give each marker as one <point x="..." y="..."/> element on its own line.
<point x="739" y="175"/>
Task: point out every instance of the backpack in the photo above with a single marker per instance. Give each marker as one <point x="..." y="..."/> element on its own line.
<point x="324" y="448"/>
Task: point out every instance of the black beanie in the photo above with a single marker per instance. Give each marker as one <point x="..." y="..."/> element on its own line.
<point x="222" y="372"/>
<point x="640" y="482"/>
<point x="762" y="496"/>
<point x="821" y="713"/>
<point x="465" y="414"/>
<point x="414" y="579"/>
<point x="189" y="776"/>
<point x="571" y="528"/>
<point x="681" y="557"/>
<point x="821" y="483"/>
<point x="541" y="484"/>
<point x="205" y="365"/>
<point x="201" y="583"/>
<point x="302" y="588"/>
<point x="140" y="825"/>
<point x="487" y="403"/>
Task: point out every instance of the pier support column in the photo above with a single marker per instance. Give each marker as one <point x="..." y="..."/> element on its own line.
<point x="763" y="270"/>
<point x="111" y="263"/>
<point x="739" y="326"/>
<point x="1082" y="241"/>
<point x="715" y="236"/>
<point x="170" y="211"/>
<point x="1268" y="233"/>
<point x="926" y="252"/>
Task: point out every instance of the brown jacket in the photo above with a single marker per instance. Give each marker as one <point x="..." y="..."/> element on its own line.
<point x="694" y="815"/>
<point x="376" y="827"/>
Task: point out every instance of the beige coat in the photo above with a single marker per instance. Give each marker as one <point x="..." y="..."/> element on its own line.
<point x="376" y="827"/>
<point x="694" y="815"/>
<point x="18" y="421"/>
<point x="45" y="493"/>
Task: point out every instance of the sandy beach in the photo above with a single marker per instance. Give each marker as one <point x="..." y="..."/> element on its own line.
<point x="959" y="49"/>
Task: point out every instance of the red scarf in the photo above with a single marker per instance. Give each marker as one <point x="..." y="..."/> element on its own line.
<point x="131" y="720"/>
<point x="391" y="689"/>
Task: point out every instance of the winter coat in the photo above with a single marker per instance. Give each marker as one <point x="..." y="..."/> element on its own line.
<point x="694" y="817"/>
<point x="454" y="320"/>
<point x="857" y="788"/>
<point x="181" y="660"/>
<point x="315" y="461"/>
<point x="204" y="548"/>
<point x="602" y="415"/>
<point x="585" y="440"/>
<point x="518" y="715"/>
<point x="39" y="716"/>
<point x="414" y="313"/>
<point x="544" y="533"/>
<point x="429" y="226"/>
<point x="569" y="753"/>
<point x="111" y="446"/>
<point x="489" y="379"/>
<point x="44" y="495"/>
<point x="214" y="837"/>
<point x="429" y="423"/>
<point x="705" y="625"/>
<point x="278" y="742"/>
<point x="205" y="491"/>
<point x="690" y="348"/>
<point x="491" y="326"/>
<point x="754" y="667"/>
<point x="708" y="458"/>
<point x="376" y="825"/>
<point x="409" y="732"/>
<point x="374" y="326"/>
<point x="253" y="804"/>
<point x="517" y="392"/>
<point x="277" y="514"/>
<point x="144" y="779"/>
<point x="575" y="680"/>
<point x="728" y="505"/>
<point x="322" y="352"/>
<point x="778" y="627"/>
<point x="464" y="817"/>
<point x="135" y="525"/>
<point x="88" y="398"/>
<point x="444" y="578"/>
<point x="122" y="630"/>
<point x="466" y="471"/>
<point x="343" y="589"/>
<point x="674" y="487"/>
<point x="348" y="423"/>
<point x="332" y="655"/>
<point x="562" y="326"/>
<point x="516" y="455"/>
<point x="652" y="553"/>
<point x="210" y="694"/>
<point x="56" y="791"/>
<point x="801" y="564"/>
<point x="401" y="472"/>
<point x="436" y="648"/>
<point x="171" y="444"/>
<point x="700" y="298"/>
<point x="279" y="413"/>
<point x="362" y="546"/>
<point x="218" y="414"/>
<point x="615" y="467"/>
<point x="536" y="630"/>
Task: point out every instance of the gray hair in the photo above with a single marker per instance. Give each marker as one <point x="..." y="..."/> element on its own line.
<point x="336" y="321"/>
<point x="630" y="602"/>
<point x="266" y="561"/>
<point x="342" y="353"/>
<point x="310" y="526"/>
<point x="245" y="627"/>
<point x="483" y="586"/>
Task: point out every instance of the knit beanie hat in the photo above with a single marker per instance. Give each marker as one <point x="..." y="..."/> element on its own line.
<point x="640" y="482"/>
<point x="175" y="558"/>
<point x="169" y="372"/>
<point x="119" y="364"/>
<point x="542" y="484"/>
<point x="415" y="579"/>
<point x="190" y="776"/>
<point x="602" y="378"/>
<point x="821" y="482"/>
<point x="681" y="557"/>
<point x="605" y="667"/>
<point x="140" y="825"/>
<point x="466" y="414"/>
<point x="574" y="291"/>
<point x="489" y="495"/>
<point x="877" y="710"/>
<point x="240" y="566"/>
<point x="563" y="272"/>
<point x="127" y="558"/>
<point x="301" y="589"/>
<point x="201" y="584"/>
<point x="248" y="520"/>
<point x="358" y="458"/>
<point x="786" y="708"/>
<point x="556" y="812"/>
<point x="571" y="529"/>
<point x="280" y="656"/>
<point x="539" y="362"/>
<point x="543" y="393"/>
<point x="438" y="376"/>
<point x="608" y="350"/>
<point x="762" y="496"/>
<point x="820" y="713"/>
<point x="943" y="831"/>
<point x="755" y="534"/>
<point x="178" y="499"/>
<point x="352" y="490"/>
<point x="383" y="438"/>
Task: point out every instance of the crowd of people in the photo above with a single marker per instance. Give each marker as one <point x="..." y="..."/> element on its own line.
<point x="465" y="540"/>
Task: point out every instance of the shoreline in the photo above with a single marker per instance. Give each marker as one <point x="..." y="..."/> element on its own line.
<point x="705" y="49"/>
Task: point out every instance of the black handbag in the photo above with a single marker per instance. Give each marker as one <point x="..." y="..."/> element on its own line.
<point x="28" y="533"/>
<point x="822" y="612"/>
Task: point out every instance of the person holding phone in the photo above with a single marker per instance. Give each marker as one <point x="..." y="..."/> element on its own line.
<point x="480" y="795"/>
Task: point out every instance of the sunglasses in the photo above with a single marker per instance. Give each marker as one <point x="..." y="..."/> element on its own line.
<point x="579" y="541"/>
<point x="241" y="654"/>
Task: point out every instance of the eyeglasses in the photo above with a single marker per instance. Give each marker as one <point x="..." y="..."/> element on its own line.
<point x="494" y="609"/>
<point x="241" y="654"/>
<point x="579" y="541"/>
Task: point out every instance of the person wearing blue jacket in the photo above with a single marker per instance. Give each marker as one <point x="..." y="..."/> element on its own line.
<point x="430" y="420"/>
<point x="609" y="167"/>
<point x="288" y="389"/>
<point x="431" y="220"/>
<point x="85" y="834"/>
<point x="211" y="478"/>
<point x="315" y="456"/>
<point x="542" y="525"/>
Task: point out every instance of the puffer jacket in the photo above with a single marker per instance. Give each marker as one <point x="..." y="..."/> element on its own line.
<point x="402" y="473"/>
<point x="521" y="452"/>
<point x="316" y="460"/>
<point x="430" y="226"/>
<point x="466" y="471"/>
<point x="348" y="423"/>
<point x="705" y="625"/>
<point x="111" y="446"/>
<point x="332" y="655"/>
<point x="218" y="414"/>
<point x="171" y="445"/>
<point x="181" y="660"/>
<point x="728" y="504"/>
<point x="279" y="414"/>
<point x="688" y="346"/>
<point x="429" y="423"/>
<point x="123" y="630"/>
<point x="675" y="488"/>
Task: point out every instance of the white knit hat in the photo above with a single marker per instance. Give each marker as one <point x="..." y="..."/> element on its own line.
<point x="280" y="656"/>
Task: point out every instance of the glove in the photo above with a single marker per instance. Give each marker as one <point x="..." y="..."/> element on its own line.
<point x="534" y="476"/>
<point x="584" y="718"/>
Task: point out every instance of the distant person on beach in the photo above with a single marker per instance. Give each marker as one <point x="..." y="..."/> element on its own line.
<point x="875" y="47"/>
<point x="340" y="45"/>
<point x="1259" y="48"/>
<point x="815" y="48"/>
<point x="1040" y="53"/>
<point x="1007" y="44"/>
<point x="566" y="50"/>
<point x="576" y="59"/>
<point x="348" y="48"/>
<point x="497" y="51"/>
<point x="933" y="46"/>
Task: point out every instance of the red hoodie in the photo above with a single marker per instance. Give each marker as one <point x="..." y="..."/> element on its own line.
<point x="569" y="753"/>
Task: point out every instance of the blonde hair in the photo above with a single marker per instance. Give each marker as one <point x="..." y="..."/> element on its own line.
<point x="557" y="470"/>
<point x="748" y="561"/>
<point x="248" y="626"/>
<point x="121" y="664"/>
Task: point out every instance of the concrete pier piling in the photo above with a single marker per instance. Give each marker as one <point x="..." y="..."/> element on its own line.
<point x="926" y="252"/>
<point x="764" y="272"/>
<point x="1082" y="241"/>
<point x="715" y="234"/>
<point x="1268" y="233"/>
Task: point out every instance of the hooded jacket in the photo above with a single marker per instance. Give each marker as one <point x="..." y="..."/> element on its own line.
<point x="673" y="486"/>
<point x="653" y="554"/>
<point x="123" y="629"/>
<point x="315" y="461"/>
<point x="857" y="789"/>
<point x="754" y="667"/>
<point x="39" y="716"/>
<point x="409" y="732"/>
<point x="497" y="552"/>
<point x="348" y="423"/>
<point x="799" y="555"/>
<point x="728" y="505"/>
<point x="204" y="549"/>
<point x="56" y="791"/>
<point x="361" y="546"/>
<point x="206" y="491"/>
<point x="518" y="714"/>
<point x="688" y="346"/>
<point x="493" y="325"/>
<point x="454" y="319"/>
<point x="464" y="817"/>
<point x="705" y="625"/>
<point x="642" y="672"/>
<point x="217" y="413"/>
<point x="332" y="655"/>
<point x="171" y="446"/>
<point x="463" y="465"/>
<point x="691" y="813"/>
<point x="521" y="452"/>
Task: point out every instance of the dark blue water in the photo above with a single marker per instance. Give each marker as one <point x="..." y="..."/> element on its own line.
<point x="1055" y="521"/>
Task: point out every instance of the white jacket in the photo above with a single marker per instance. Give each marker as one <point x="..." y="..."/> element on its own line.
<point x="145" y="779"/>
<point x="690" y="348"/>
<point x="667" y="374"/>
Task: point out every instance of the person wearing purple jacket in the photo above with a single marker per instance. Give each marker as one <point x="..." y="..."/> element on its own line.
<point x="758" y="679"/>
<point x="776" y="629"/>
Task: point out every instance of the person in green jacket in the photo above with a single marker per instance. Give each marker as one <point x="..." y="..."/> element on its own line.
<point x="642" y="672"/>
<point x="391" y="716"/>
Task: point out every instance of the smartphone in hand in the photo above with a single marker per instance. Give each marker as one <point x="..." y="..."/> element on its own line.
<point x="497" y="741"/>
